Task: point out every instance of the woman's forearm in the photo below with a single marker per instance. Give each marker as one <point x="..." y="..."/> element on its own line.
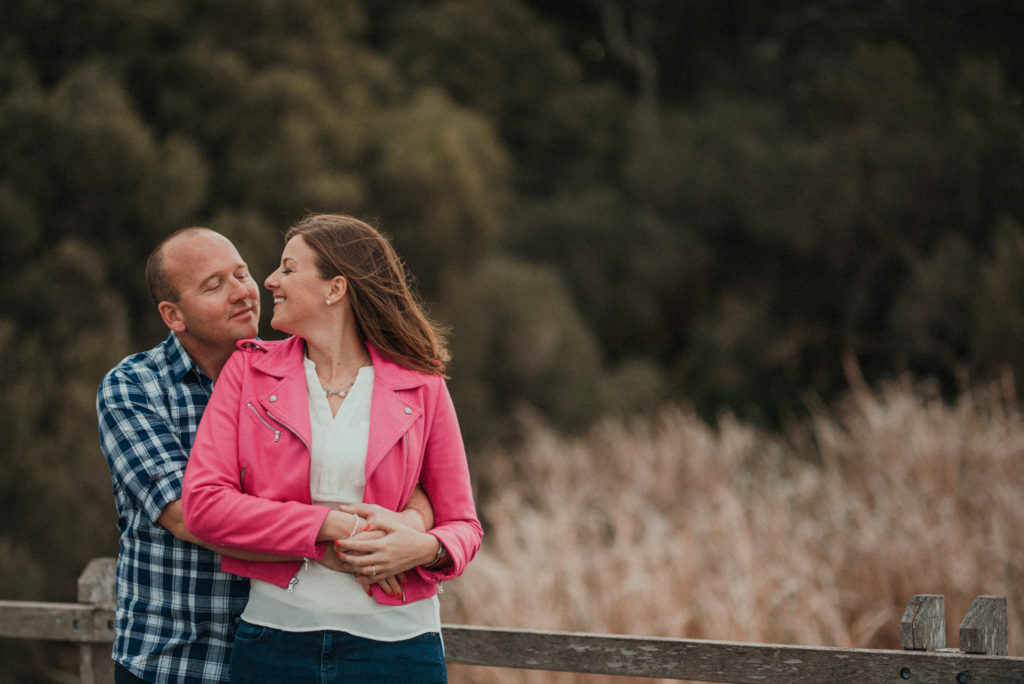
<point x="340" y="525"/>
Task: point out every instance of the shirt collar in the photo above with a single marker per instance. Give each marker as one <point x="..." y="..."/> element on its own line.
<point x="179" y="363"/>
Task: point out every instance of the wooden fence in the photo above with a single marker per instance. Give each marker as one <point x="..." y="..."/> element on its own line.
<point x="981" y="658"/>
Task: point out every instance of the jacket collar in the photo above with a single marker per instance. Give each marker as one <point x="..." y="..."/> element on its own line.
<point x="279" y="383"/>
<point x="392" y="411"/>
<point x="284" y="357"/>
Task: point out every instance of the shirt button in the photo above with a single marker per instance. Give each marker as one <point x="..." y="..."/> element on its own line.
<point x="408" y="410"/>
<point x="273" y="397"/>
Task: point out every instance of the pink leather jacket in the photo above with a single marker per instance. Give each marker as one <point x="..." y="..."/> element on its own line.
<point x="247" y="480"/>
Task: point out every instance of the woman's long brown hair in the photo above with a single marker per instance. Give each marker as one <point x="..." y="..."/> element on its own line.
<point x="385" y="309"/>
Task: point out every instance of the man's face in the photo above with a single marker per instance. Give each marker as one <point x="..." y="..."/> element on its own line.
<point x="218" y="302"/>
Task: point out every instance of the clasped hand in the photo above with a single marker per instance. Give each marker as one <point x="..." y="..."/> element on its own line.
<point x="381" y="552"/>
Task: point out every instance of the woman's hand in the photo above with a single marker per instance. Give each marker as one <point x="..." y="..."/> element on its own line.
<point x="332" y="562"/>
<point x="392" y="586"/>
<point x="386" y="548"/>
<point x="374" y="515"/>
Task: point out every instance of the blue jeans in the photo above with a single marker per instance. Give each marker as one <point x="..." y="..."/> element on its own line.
<point x="122" y="675"/>
<point x="265" y="654"/>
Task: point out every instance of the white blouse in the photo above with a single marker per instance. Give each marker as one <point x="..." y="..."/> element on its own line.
<point x="323" y="599"/>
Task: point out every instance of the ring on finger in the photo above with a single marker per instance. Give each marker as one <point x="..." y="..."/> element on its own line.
<point x="373" y="570"/>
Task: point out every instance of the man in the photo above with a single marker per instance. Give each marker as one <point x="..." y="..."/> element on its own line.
<point x="176" y="610"/>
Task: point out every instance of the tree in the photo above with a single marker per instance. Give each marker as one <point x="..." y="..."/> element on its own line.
<point x="518" y="342"/>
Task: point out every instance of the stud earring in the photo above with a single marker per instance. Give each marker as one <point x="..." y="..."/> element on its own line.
<point x="329" y="302"/>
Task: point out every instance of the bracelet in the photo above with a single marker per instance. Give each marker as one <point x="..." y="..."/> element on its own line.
<point x="355" y="526"/>
<point x="437" y="558"/>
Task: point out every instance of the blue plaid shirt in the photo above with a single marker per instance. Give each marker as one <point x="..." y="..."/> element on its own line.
<point x="176" y="610"/>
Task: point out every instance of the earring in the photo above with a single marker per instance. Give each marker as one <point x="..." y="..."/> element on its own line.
<point x="329" y="302"/>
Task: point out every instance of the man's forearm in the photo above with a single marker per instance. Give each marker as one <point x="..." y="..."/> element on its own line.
<point x="418" y="513"/>
<point x="173" y="520"/>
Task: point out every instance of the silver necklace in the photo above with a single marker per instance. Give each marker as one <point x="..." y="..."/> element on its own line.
<point x="340" y="392"/>
<point x="347" y="388"/>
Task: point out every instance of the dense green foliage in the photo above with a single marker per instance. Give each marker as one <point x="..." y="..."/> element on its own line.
<point x="613" y="204"/>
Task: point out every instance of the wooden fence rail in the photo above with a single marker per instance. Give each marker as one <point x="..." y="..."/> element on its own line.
<point x="981" y="658"/>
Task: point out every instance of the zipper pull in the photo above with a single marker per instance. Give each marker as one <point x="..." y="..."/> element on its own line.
<point x="292" y="582"/>
<point x="277" y="433"/>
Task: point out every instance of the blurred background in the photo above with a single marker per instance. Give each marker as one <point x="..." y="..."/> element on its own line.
<point x="735" y="287"/>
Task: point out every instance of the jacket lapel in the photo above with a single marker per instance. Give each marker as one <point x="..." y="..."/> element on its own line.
<point x="392" y="411"/>
<point x="281" y="387"/>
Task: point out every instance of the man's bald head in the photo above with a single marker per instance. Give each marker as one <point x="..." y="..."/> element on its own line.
<point x="204" y="294"/>
<point x="161" y="283"/>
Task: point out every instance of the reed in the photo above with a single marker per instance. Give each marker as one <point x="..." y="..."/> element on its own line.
<point x="669" y="527"/>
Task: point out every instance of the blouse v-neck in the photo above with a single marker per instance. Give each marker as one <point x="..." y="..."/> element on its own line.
<point x="340" y="440"/>
<point x="318" y="400"/>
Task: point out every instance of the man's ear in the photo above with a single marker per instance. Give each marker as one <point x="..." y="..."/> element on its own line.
<point x="172" y="316"/>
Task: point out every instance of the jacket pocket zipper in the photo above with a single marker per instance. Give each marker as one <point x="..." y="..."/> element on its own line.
<point x="277" y="433"/>
<point x="287" y="427"/>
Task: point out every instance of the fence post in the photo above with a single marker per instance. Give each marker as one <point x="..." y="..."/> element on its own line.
<point x="984" y="627"/>
<point x="923" y="625"/>
<point x="96" y="588"/>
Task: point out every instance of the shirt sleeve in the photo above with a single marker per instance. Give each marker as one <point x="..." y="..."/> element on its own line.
<point x="146" y="458"/>
<point x="445" y="479"/>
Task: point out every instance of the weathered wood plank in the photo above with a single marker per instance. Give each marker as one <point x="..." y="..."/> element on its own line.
<point x="74" y="622"/>
<point x="923" y="625"/>
<point x="690" y="659"/>
<point x="715" y="661"/>
<point x="96" y="584"/>
<point x="983" y="629"/>
<point x="95" y="664"/>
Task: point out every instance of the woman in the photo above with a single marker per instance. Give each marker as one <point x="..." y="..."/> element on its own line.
<point x="351" y="408"/>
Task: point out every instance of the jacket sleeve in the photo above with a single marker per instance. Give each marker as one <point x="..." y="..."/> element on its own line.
<point x="445" y="479"/>
<point x="216" y="510"/>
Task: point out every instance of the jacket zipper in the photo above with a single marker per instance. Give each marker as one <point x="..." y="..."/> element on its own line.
<point x="295" y="578"/>
<point x="277" y="433"/>
<point x="287" y="427"/>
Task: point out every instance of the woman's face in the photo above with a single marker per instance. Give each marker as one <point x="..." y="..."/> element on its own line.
<point x="300" y="293"/>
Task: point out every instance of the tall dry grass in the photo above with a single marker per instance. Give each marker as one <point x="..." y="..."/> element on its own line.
<point x="672" y="528"/>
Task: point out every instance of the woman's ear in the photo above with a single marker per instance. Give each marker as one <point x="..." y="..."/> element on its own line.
<point x="339" y="288"/>
<point x="172" y="316"/>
